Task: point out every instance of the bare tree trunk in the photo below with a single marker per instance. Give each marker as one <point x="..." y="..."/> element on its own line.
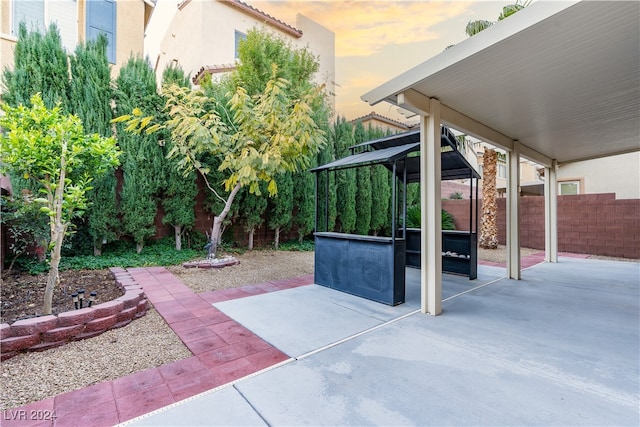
<point x="276" y="241"/>
<point x="217" y="223"/>
<point x="97" y="249"/>
<point x="251" y="233"/>
<point x="139" y="247"/>
<point x="488" y="226"/>
<point x="177" y="232"/>
<point x="52" y="279"/>
<point x="58" y="229"/>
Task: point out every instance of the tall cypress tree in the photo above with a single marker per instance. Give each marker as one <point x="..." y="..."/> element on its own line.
<point x="304" y="202"/>
<point x="40" y="65"/>
<point x="281" y="207"/>
<point x="345" y="179"/>
<point x="326" y="184"/>
<point x="380" y="190"/>
<point x="180" y="191"/>
<point x="90" y="99"/>
<point x="142" y="160"/>
<point x="251" y="211"/>
<point x="304" y="183"/>
<point x="363" y="188"/>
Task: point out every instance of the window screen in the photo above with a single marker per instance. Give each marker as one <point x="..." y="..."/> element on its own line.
<point x="101" y="18"/>
<point x="239" y="36"/>
<point x="569" y="187"/>
<point x="30" y="12"/>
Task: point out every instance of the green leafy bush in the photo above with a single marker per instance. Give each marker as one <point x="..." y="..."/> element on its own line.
<point x="295" y="245"/>
<point x="414" y="218"/>
<point x="121" y="254"/>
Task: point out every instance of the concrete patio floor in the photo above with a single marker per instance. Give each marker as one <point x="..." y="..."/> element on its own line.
<point x="560" y="347"/>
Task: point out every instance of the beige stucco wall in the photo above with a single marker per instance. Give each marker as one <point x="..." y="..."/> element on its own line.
<point x="130" y="18"/>
<point x="183" y="41"/>
<point x="616" y="174"/>
<point x="7" y="41"/>
<point x="321" y="41"/>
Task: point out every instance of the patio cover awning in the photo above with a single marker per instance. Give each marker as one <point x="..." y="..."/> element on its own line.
<point x="386" y="155"/>
<point x="561" y="78"/>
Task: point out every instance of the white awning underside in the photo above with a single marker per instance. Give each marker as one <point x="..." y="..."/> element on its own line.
<point x="562" y="78"/>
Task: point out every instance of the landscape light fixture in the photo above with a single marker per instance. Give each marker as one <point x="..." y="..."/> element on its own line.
<point x="75" y="299"/>
<point x="81" y="296"/>
<point x="92" y="297"/>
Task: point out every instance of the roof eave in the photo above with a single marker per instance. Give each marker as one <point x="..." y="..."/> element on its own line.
<point x="536" y="13"/>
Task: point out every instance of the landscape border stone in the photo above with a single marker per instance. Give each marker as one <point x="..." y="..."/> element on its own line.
<point x="44" y="332"/>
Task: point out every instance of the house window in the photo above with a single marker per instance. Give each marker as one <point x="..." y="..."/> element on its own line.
<point x="101" y="18"/>
<point x="29" y="12"/>
<point x="239" y="36"/>
<point x="568" y="188"/>
<point x="38" y="14"/>
<point x="502" y="171"/>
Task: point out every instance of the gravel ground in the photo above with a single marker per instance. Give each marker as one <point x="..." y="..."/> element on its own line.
<point x="255" y="267"/>
<point x="144" y="343"/>
<point x="147" y="342"/>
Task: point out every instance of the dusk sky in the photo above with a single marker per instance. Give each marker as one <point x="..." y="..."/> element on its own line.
<point x="377" y="40"/>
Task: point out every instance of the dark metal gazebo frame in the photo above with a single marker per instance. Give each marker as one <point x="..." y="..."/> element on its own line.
<point x="352" y="261"/>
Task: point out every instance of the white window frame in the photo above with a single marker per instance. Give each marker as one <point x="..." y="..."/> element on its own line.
<point x="502" y="170"/>
<point x="69" y="38"/>
<point x="574" y="181"/>
<point x="14" y="25"/>
<point x="237" y="37"/>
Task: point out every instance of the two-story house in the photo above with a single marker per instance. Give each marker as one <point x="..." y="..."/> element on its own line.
<point x="202" y="36"/>
<point x="122" y="21"/>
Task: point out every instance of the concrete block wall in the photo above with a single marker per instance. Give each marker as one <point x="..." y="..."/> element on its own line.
<point x="44" y="332"/>
<point x="595" y="224"/>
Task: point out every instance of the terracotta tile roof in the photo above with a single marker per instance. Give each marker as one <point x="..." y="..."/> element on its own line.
<point x="268" y="19"/>
<point x="375" y="116"/>
<point x="258" y="14"/>
<point x="211" y="69"/>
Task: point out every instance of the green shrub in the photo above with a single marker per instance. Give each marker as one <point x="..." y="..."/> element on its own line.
<point x="121" y="254"/>
<point x="295" y="245"/>
<point x="414" y="218"/>
<point x="448" y="223"/>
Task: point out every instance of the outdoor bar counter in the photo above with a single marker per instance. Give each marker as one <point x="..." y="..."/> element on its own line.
<point x="367" y="266"/>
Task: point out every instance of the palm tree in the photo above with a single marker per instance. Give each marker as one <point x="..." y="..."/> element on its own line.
<point x="489" y="228"/>
<point x="474" y="27"/>
<point x="488" y="225"/>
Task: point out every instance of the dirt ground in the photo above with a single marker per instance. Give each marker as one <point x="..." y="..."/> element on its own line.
<point x="22" y="295"/>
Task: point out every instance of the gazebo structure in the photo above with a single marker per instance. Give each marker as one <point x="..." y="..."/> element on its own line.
<point x="373" y="267"/>
<point x="557" y="82"/>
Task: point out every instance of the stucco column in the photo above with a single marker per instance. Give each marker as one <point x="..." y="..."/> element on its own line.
<point x="430" y="203"/>
<point x="513" y="215"/>
<point x="551" y="213"/>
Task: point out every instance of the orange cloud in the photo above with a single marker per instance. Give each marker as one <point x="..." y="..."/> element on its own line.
<point x="362" y="27"/>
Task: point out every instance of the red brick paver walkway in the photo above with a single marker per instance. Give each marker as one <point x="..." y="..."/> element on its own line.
<point x="222" y="349"/>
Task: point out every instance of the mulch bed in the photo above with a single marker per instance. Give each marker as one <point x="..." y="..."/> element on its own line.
<point x="22" y="294"/>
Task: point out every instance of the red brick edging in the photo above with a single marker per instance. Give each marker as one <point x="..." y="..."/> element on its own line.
<point x="42" y="333"/>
